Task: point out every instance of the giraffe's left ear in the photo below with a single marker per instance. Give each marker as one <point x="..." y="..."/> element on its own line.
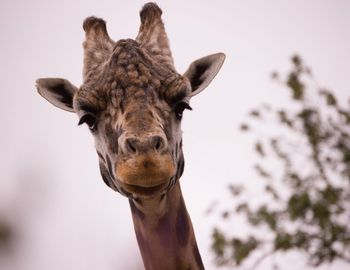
<point x="59" y="92"/>
<point x="202" y="71"/>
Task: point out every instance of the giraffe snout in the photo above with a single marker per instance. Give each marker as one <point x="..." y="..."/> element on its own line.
<point x="145" y="162"/>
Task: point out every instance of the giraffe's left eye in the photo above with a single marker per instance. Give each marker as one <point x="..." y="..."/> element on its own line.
<point x="179" y="109"/>
<point x="90" y="120"/>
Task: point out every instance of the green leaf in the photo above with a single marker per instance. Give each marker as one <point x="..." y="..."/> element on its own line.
<point x="283" y="241"/>
<point x="329" y="97"/>
<point x="259" y="149"/>
<point x="296" y="60"/>
<point x="284" y="118"/>
<point x="301" y="240"/>
<point x="345" y="115"/>
<point x="267" y="216"/>
<point x="296" y="86"/>
<point x="235" y="190"/>
<point x="321" y="213"/>
<point x="244" y="127"/>
<point x="275" y="75"/>
<point x="272" y="191"/>
<point x="242" y="207"/>
<point x="219" y="242"/>
<point x="225" y="214"/>
<point x="298" y="205"/>
<point x="242" y="249"/>
<point x="255" y="113"/>
<point x="331" y="194"/>
<point x="261" y="171"/>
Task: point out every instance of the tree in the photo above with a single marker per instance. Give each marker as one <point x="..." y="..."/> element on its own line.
<point x="308" y="204"/>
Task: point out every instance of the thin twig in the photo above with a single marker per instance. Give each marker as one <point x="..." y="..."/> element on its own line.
<point x="261" y="258"/>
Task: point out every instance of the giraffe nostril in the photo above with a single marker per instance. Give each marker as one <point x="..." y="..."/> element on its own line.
<point x="135" y="145"/>
<point x="158" y="143"/>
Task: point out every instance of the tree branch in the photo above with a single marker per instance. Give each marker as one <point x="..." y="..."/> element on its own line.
<point x="261" y="259"/>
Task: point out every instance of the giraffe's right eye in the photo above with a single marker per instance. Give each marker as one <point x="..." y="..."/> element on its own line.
<point x="90" y="120"/>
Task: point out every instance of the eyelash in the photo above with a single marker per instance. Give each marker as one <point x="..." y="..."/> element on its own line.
<point x="90" y="120"/>
<point x="179" y="109"/>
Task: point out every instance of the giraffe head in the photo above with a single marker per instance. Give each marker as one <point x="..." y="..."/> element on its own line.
<point x="132" y="99"/>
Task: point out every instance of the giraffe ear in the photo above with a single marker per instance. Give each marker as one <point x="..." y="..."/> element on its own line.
<point x="59" y="92"/>
<point x="202" y="71"/>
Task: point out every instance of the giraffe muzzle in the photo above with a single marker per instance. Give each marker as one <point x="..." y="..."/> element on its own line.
<point x="146" y="170"/>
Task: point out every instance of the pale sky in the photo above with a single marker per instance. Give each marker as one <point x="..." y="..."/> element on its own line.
<point x="50" y="185"/>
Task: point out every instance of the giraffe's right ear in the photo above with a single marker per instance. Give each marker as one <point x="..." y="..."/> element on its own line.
<point x="59" y="92"/>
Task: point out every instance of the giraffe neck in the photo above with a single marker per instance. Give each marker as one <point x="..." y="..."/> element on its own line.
<point x="164" y="233"/>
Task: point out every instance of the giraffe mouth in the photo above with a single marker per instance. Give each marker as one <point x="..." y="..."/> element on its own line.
<point x="144" y="191"/>
<point x="146" y="173"/>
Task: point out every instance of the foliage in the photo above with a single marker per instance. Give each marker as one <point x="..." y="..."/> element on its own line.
<point x="308" y="207"/>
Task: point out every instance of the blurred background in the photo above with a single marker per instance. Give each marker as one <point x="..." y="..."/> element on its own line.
<point x="55" y="210"/>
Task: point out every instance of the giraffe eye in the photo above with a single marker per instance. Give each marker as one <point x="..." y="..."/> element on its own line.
<point x="90" y="120"/>
<point x="179" y="109"/>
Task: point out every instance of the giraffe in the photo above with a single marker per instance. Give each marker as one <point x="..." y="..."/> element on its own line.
<point x="132" y="99"/>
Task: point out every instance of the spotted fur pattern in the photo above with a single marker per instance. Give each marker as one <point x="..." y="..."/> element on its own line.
<point x="132" y="95"/>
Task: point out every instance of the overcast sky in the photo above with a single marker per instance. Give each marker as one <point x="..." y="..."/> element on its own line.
<point x="50" y="185"/>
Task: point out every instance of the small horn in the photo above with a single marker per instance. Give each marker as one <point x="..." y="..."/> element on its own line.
<point x="97" y="45"/>
<point x="152" y="35"/>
